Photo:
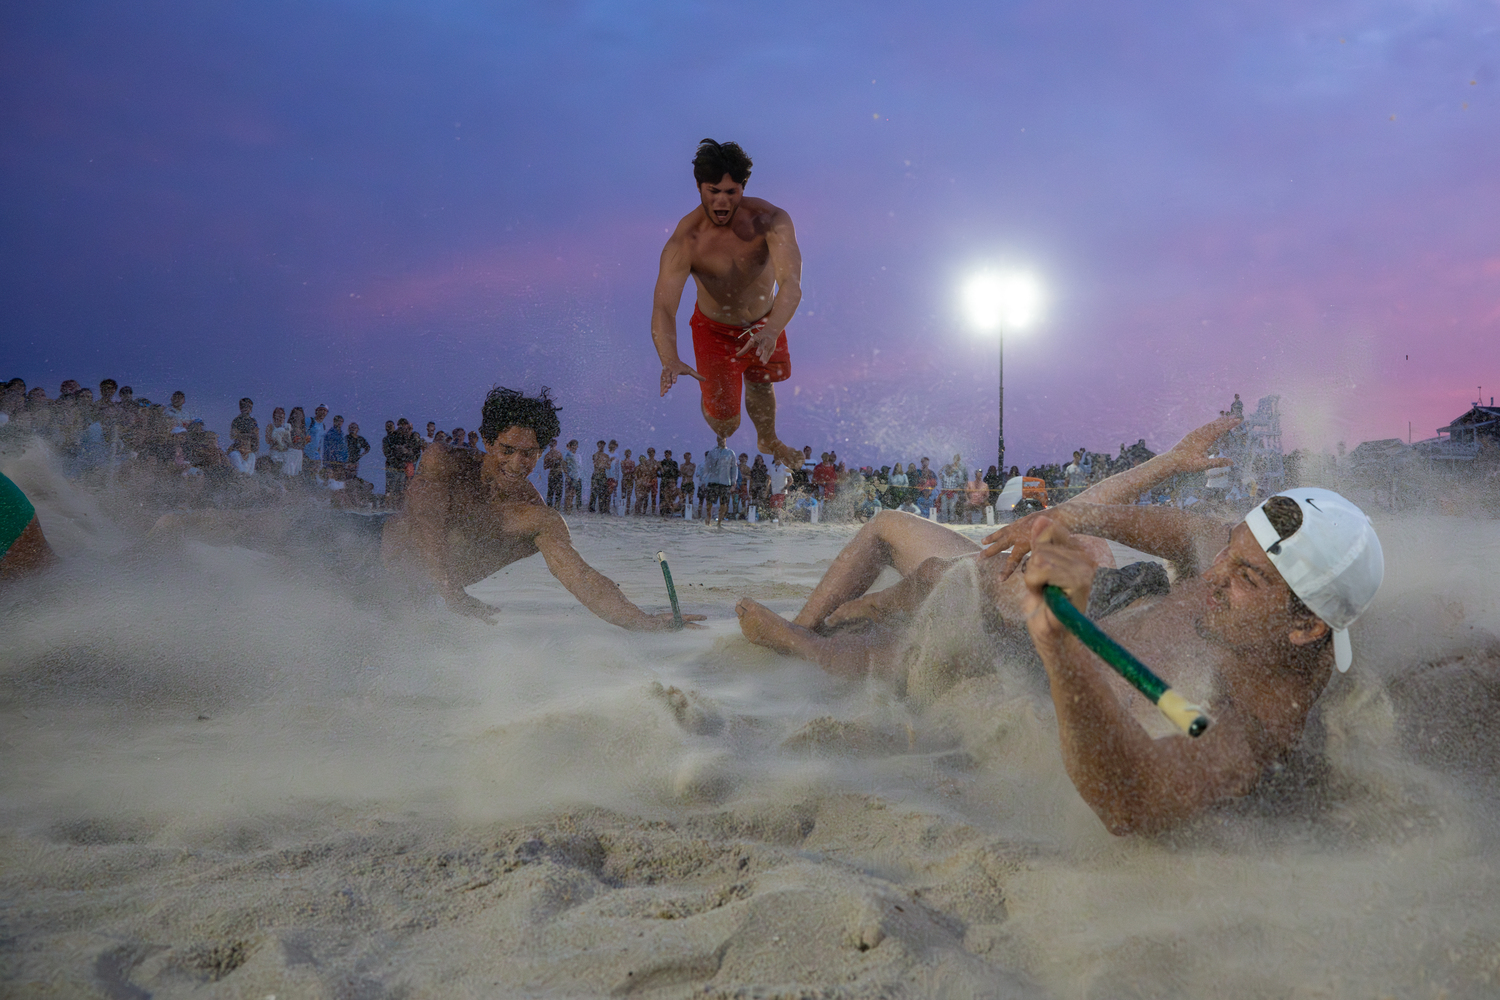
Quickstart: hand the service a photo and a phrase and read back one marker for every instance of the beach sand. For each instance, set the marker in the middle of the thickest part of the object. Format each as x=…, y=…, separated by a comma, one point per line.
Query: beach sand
x=233, y=773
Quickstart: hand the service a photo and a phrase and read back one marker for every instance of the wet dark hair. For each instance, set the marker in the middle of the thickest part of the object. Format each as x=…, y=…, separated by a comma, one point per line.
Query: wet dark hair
x=714, y=160
x=1285, y=516
x=507, y=408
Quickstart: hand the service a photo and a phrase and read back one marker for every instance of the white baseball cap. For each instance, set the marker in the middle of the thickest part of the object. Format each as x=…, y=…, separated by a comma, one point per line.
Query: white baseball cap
x=1332, y=562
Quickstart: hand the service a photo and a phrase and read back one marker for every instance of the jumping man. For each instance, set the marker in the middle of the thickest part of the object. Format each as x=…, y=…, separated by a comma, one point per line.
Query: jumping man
x=742, y=252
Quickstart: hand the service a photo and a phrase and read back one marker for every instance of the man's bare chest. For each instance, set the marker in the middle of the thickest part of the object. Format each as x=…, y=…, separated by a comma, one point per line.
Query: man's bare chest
x=729, y=256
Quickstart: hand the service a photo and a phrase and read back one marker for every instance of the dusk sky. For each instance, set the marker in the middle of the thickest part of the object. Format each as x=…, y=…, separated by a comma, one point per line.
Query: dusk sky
x=390, y=207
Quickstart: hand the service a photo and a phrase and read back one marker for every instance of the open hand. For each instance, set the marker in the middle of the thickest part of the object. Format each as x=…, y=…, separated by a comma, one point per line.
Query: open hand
x=664, y=622
x=1191, y=453
x=670, y=372
x=759, y=338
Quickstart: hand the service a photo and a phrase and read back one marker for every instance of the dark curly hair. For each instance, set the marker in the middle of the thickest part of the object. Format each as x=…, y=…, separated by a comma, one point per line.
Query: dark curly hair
x=714, y=160
x=506, y=408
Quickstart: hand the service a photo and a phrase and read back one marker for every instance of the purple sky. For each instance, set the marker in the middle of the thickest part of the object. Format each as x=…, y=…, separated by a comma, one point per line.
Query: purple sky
x=391, y=207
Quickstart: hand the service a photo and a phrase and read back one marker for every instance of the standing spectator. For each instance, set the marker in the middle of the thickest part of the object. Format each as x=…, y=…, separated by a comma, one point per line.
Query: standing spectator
x=245, y=426
x=552, y=464
x=760, y=478
x=278, y=438
x=995, y=482
x=358, y=449
x=1237, y=408
x=689, y=478
x=627, y=481
x=802, y=475
x=978, y=495
x=667, y=474
x=926, y=485
x=458, y=439
x=599, y=482
x=719, y=475
x=395, y=475
x=951, y=482
x=611, y=478
x=474, y=443
x=645, y=482
x=898, y=491
x=742, y=486
x=776, y=482
x=291, y=465
x=432, y=432
x=313, y=451
x=825, y=478
x=1073, y=475
x=335, y=450
x=573, y=473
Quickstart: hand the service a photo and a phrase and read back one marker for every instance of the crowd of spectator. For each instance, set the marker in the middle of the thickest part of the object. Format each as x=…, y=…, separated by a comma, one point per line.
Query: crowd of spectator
x=115, y=432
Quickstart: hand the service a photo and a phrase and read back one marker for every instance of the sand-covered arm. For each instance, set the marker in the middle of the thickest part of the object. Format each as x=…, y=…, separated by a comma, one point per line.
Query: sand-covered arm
x=1186, y=456
x=786, y=263
x=1134, y=783
x=676, y=267
x=594, y=590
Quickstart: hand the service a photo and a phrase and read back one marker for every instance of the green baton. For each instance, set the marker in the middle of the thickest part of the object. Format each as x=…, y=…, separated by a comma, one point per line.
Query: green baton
x=666, y=574
x=1186, y=716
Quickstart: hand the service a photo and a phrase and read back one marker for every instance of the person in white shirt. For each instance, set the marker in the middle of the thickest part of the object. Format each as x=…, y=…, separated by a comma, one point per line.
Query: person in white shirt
x=612, y=478
x=178, y=412
x=720, y=474
x=780, y=475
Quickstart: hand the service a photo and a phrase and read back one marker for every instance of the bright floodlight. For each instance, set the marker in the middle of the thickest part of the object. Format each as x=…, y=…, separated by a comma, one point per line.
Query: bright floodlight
x=994, y=300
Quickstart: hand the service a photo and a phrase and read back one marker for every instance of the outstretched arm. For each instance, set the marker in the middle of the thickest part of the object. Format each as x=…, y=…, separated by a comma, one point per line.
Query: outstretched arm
x=1188, y=455
x=676, y=268
x=786, y=261
x=594, y=590
x=1134, y=783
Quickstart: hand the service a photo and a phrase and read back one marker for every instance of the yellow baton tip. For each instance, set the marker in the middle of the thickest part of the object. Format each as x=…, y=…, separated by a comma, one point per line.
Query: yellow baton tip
x=1183, y=714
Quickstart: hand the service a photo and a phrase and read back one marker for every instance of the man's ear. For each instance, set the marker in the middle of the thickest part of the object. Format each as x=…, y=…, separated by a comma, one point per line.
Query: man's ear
x=1310, y=631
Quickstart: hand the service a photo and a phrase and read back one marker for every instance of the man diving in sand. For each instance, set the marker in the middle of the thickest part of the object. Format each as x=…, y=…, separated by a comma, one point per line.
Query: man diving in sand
x=742, y=253
x=1257, y=618
x=470, y=514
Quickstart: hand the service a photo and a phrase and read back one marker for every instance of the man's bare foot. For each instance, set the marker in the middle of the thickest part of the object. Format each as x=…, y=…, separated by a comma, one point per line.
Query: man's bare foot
x=765, y=627
x=789, y=456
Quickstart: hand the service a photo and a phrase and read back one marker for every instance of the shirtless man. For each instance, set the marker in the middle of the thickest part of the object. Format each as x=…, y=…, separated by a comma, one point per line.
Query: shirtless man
x=1258, y=618
x=742, y=253
x=468, y=515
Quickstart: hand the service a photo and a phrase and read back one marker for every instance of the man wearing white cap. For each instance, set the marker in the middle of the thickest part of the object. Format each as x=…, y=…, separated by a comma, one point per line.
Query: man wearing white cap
x=1257, y=629
x=1251, y=627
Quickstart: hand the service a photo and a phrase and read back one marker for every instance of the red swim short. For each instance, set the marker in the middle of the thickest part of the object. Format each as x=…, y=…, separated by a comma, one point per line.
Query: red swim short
x=724, y=375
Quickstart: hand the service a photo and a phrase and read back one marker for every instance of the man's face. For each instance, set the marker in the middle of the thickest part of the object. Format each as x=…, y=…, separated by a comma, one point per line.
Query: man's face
x=338, y=422
x=321, y=413
x=513, y=454
x=1247, y=598
x=178, y=399
x=720, y=199
x=431, y=427
x=404, y=426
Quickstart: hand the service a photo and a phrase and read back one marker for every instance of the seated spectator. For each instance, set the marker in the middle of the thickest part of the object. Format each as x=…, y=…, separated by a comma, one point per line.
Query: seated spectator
x=245, y=427
x=241, y=458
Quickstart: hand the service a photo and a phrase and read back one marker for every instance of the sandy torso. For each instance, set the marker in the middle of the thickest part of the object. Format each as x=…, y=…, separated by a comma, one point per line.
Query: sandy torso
x=731, y=263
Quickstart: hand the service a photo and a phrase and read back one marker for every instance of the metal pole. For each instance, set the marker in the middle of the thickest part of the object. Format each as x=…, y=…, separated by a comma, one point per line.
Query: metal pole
x=1001, y=467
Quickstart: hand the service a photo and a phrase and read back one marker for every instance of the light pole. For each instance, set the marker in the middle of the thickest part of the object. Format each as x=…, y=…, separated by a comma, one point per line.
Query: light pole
x=996, y=301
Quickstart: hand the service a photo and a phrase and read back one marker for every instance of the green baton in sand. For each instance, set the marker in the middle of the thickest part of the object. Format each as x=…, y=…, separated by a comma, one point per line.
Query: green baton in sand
x=666, y=574
x=1184, y=715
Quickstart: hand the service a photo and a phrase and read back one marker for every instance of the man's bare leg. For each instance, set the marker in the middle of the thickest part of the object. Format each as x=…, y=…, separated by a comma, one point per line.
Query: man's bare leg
x=760, y=403
x=890, y=538
x=840, y=655
x=723, y=428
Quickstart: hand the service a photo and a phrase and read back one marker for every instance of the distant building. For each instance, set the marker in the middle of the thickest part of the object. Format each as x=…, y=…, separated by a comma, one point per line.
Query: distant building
x=1462, y=439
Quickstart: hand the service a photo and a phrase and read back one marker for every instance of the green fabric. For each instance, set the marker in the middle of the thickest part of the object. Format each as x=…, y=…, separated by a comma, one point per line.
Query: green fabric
x=16, y=513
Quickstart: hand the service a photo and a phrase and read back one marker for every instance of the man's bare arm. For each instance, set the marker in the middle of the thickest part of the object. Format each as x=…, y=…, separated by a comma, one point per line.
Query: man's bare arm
x=1188, y=541
x=786, y=262
x=1188, y=455
x=672, y=276
x=594, y=590
x=1134, y=783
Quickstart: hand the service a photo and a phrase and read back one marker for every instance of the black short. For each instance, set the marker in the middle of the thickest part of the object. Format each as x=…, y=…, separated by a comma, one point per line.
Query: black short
x=713, y=492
